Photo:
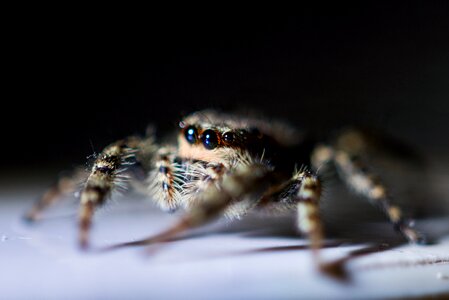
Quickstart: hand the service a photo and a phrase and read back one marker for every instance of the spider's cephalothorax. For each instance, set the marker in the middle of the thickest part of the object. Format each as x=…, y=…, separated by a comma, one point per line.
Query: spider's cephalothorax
x=226, y=165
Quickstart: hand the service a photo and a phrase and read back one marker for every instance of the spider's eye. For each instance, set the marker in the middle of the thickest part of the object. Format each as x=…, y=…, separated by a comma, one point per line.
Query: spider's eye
x=255, y=132
x=228, y=137
x=210, y=139
x=191, y=134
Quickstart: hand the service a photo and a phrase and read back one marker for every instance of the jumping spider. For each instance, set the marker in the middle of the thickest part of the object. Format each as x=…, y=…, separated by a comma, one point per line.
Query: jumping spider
x=226, y=165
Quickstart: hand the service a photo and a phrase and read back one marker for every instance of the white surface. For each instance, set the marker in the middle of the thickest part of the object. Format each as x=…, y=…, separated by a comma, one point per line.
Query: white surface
x=241, y=260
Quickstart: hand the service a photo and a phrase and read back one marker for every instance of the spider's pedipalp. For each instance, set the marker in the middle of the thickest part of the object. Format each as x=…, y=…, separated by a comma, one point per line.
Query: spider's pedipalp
x=200, y=176
x=165, y=179
x=245, y=181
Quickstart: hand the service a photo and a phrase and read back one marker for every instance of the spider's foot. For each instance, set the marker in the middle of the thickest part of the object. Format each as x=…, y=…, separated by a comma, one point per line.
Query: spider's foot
x=83, y=241
x=83, y=246
x=30, y=218
x=413, y=236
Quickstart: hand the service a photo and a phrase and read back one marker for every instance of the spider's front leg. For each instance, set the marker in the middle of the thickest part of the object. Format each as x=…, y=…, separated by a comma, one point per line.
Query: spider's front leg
x=105, y=175
x=307, y=197
x=301, y=192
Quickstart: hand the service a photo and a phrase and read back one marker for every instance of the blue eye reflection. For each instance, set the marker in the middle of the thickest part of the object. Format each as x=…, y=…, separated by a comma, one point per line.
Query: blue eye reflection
x=191, y=134
x=210, y=139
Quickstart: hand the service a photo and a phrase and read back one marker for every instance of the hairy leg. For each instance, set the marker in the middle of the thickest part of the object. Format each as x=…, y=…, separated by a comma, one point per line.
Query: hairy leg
x=105, y=175
x=347, y=153
x=99, y=185
x=301, y=192
x=65, y=185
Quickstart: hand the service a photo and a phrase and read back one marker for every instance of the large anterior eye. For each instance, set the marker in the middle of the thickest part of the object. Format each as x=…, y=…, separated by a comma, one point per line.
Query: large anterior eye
x=191, y=134
x=210, y=139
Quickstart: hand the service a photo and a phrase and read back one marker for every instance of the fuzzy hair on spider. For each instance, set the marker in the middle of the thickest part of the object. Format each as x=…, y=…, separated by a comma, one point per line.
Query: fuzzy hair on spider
x=225, y=165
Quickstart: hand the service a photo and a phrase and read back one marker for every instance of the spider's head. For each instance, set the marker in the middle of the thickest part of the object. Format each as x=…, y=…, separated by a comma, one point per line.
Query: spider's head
x=208, y=142
x=213, y=137
x=217, y=137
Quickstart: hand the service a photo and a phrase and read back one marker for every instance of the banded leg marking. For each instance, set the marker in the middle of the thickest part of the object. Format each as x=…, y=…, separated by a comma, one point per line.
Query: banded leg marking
x=64, y=186
x=301, y=192
x=103, y=178
x=307, y=197
x=164, y=183
x=353, y=171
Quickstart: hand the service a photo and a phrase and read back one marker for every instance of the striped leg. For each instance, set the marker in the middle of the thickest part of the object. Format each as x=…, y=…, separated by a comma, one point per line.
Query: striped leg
x=172, y=181
x=346, y=155
x=356, y=175
x=302, y=192
x=64, y=186
x=307, y=197
x=165, y=179
x=103, y=178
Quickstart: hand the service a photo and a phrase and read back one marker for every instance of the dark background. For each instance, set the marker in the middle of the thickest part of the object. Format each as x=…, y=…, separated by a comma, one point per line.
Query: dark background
x=77, y=82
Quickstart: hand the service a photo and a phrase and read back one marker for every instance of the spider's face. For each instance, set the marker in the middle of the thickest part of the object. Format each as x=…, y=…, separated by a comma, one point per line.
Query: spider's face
x=209, y=138
x=221, y=138
x=211, y=142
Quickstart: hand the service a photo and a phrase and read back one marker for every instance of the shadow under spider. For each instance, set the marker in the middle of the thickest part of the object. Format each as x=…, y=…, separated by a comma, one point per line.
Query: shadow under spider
x=335, y=269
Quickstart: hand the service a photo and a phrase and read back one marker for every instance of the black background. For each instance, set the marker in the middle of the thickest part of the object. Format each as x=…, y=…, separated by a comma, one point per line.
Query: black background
x=76, y=82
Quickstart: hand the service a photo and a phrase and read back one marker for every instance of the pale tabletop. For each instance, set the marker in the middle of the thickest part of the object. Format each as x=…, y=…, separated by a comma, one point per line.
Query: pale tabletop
x=255, y=258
